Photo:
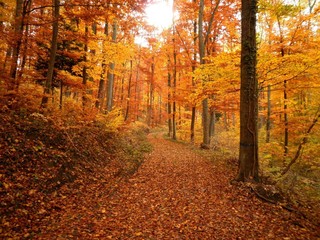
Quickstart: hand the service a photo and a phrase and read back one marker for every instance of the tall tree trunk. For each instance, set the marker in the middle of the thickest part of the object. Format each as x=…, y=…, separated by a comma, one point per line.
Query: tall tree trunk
x=53, y=51
x=205, y=106
x=193, y=111
x=61, y=95
x=111, y=72
x=84, y=69
x=151, y=95
x=169, y=103
x=248, y=155
x=101, y=90
x=18, y=32
x=160, y=109
x=268, y=125
x=174, y=104
x=174, y=77
x=286, y=121
x=285, y=98
x=26, y=8
x=137, y=89
x=225, y=120
x=212, y=129
x=129, y=92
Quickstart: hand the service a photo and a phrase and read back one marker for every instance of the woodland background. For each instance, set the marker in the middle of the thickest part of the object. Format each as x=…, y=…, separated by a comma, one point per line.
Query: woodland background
x=78, y=66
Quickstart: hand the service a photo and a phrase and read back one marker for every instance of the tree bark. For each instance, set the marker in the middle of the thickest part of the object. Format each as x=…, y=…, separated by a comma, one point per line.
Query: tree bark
x=151, y=95
x=169, y=105
x=101, y=90
x=212, y=129
x=193, y=111
x=205, y=107
x=268, y=125
x=84, y=69
x=53, y=51
x=17, y=41
x=110, y=72
x=248, y=154
x=174, y=107
x=129, y=92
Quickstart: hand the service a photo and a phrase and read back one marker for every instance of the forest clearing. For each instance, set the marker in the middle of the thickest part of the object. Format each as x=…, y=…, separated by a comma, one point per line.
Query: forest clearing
x=159, y=119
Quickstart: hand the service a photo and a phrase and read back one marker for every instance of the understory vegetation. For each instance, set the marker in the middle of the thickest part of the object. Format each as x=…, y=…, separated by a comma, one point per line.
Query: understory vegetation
x=46, y=158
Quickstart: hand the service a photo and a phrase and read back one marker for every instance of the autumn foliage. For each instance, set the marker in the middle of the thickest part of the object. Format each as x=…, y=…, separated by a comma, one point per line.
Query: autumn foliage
x=77, y=76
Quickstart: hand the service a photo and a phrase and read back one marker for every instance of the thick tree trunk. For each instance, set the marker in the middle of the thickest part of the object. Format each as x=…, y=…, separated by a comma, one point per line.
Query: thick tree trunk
x=53, y=51
x=248, y=155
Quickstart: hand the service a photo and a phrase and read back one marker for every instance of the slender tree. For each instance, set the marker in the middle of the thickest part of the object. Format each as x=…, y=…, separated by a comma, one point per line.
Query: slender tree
x=111, y=73
x=205, y=105
x=194, y=58
x=53, y=52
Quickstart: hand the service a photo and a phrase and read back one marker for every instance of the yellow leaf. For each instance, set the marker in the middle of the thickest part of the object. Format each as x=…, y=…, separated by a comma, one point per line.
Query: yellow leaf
x=32, y=191
x=6, y=185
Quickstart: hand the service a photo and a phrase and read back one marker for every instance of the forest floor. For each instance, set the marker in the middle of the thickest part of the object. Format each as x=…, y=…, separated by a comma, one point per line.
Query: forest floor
x=175, y=194
x=82, y=183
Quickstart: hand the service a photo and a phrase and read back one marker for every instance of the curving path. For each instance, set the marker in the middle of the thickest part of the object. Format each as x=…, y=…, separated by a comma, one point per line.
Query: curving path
x=176, y=194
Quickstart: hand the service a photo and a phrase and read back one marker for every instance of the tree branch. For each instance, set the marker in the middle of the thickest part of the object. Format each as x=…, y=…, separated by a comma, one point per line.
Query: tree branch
x=302, y=143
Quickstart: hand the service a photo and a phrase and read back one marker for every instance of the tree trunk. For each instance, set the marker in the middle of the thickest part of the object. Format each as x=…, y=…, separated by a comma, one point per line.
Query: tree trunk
x=61, y=95
x=268, y=125
x=84, y=69
x=169, y=104
x=110, y=72
x=212, y=129
x=137, y=89
x=53, y=51
x=248, y=155
x=193, y=111
x=101, y=90
x=18, y=32
x=26, y=8
x=286, y=121
x=205, y=106
x=129, y=92
x=151, y=95
x=174, y=107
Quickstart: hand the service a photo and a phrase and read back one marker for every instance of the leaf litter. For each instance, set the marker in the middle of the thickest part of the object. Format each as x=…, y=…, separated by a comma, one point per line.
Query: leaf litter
x=175, y=194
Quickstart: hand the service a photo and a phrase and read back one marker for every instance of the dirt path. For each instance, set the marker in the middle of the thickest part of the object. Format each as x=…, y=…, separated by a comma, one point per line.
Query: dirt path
x=177, y=194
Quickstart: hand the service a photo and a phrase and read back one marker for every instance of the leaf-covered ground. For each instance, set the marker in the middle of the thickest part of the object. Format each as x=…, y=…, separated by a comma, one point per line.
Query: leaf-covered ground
x=176, y=194
x=57, y=192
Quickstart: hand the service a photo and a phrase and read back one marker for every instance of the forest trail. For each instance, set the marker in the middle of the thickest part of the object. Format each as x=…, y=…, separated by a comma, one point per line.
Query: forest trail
x=178, y=194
